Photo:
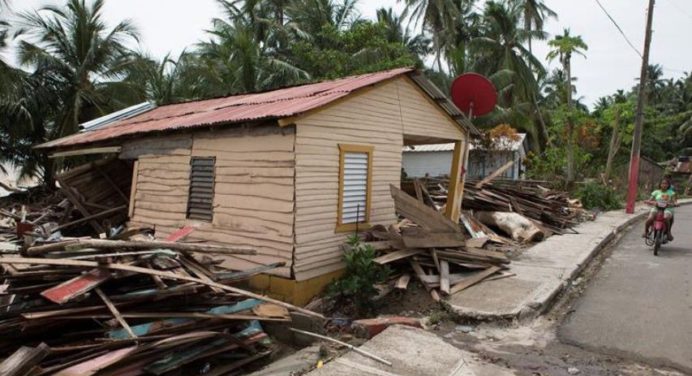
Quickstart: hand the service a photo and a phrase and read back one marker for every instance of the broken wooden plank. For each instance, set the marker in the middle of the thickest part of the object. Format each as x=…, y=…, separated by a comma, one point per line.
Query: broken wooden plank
x=77, y=286
x=424, y=239
x=397, y=255
x=351, y=347
x=115, y=312
x=142, y=245
x=402, y=282
x=470, y=281
x=444, y=276
x=381, y=245
x=476, y=242
x=495, y=174
x=165, y=274
x=421, y=214
x=179, y=234
x=23, y=360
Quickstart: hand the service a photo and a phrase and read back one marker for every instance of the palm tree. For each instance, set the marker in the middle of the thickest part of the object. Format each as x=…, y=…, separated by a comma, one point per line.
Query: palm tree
x=83, y=56
x=468, y=25
x=534, y=14
x=236, y=62
x=501, y=48
x=438, y=17
x=169, y=80
x=8, y=75
x=397, y=32
x=311, y=16
x=563, y=47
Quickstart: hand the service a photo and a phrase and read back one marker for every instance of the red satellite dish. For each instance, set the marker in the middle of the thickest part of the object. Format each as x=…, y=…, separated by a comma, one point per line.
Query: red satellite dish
x=474, y=94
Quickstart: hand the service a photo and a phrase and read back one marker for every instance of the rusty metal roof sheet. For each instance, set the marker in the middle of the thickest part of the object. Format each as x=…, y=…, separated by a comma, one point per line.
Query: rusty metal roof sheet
x=274, y=104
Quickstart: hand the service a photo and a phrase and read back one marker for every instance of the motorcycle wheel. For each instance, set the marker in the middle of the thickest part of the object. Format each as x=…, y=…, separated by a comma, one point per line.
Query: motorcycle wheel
x=657, y=242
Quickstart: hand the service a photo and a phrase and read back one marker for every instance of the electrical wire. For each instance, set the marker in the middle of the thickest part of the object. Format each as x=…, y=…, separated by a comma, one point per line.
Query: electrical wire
x=681, y=9
x=619, y=29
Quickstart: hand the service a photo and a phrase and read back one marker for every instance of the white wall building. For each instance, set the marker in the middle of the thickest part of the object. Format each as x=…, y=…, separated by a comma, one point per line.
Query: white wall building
x=436, y=160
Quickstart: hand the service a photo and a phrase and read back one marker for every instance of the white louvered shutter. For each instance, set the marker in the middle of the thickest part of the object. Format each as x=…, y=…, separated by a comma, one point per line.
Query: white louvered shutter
x=355, y=197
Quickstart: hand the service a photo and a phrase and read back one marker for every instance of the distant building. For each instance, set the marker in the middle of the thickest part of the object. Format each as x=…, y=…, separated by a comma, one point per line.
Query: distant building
x=436, y=160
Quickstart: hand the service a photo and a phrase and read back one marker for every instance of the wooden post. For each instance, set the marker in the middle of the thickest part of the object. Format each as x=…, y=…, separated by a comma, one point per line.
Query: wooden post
x=456, y=183
x=633, y=184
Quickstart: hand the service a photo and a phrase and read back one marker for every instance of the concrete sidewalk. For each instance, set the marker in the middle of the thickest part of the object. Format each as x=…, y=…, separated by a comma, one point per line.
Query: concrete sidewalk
x=413, y=352
x=542, y=271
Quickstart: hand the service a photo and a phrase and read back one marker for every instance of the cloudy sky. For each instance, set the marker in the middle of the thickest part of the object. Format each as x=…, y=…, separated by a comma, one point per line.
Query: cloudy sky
x=172, y=25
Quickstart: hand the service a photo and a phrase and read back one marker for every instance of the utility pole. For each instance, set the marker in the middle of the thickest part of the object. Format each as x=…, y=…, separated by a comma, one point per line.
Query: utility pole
x=639, y=119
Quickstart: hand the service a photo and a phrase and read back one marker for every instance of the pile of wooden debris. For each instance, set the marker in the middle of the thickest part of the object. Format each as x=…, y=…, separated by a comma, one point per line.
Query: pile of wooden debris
x=428, y=246
x=448, y=257
x=130, y=306
x=92, y=199
x=522, y=210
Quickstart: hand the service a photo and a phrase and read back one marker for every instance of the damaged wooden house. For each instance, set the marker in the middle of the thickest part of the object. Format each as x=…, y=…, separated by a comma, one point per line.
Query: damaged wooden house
x=290, y=172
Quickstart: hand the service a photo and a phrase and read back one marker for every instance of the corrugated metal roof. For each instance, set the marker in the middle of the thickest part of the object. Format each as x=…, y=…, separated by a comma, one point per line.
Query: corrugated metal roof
x=502, y=144
x=276, y=104
x=123, y=114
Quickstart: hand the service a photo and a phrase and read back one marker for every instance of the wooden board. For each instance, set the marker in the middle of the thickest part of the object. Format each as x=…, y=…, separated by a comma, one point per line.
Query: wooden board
x=397, y=255
x=444, y=276
x=434, y=240
x=23, y=360
x=470, y=281
x=77, y=286
x=402, y=282
x=420, y=214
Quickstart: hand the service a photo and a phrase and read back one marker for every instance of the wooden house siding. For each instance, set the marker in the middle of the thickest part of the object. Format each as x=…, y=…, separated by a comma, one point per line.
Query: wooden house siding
x=421, y=116
x=377, y=117
x=253, y=193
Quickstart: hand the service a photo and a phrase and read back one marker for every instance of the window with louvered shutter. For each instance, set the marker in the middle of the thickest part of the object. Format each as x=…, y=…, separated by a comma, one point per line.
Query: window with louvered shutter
x=201, y=199
x=355, y=176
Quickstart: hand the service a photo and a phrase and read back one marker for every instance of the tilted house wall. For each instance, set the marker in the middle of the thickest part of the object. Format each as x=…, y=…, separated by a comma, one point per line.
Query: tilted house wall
x=270, y=173
x=253, y=192
x=379, y=117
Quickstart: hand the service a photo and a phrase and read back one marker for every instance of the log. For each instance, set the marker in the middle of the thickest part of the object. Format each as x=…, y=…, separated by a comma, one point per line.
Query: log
x=514, y=224
x=130, y=244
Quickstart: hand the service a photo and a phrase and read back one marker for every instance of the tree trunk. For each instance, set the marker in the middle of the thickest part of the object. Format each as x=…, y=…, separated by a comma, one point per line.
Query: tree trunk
x=513, y=224
x=48, y=165
x=614, y=146
x=570, y=125
x=542, y=127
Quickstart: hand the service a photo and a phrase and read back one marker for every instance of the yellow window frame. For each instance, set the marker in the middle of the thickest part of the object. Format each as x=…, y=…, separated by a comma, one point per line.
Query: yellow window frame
x=348, y=227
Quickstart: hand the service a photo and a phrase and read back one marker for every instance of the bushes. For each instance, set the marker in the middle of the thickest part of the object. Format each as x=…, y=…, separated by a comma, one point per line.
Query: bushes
x=595, y=195
x=357, y=287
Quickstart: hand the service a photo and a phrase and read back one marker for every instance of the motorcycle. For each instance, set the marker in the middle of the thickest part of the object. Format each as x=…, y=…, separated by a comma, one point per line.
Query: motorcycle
x=658, y=234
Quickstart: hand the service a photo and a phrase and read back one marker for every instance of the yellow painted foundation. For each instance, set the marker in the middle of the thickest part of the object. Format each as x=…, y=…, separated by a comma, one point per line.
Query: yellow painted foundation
x=295, y=292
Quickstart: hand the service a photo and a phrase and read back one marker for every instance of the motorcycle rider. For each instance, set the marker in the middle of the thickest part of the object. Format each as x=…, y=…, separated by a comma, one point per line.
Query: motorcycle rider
x=664, y=193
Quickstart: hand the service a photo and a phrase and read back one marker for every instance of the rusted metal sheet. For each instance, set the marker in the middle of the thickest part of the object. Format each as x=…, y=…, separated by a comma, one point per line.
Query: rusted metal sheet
x=274, y=104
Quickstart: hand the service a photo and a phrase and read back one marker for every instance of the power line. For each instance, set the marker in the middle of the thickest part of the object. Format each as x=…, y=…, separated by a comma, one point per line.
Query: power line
x=619, y=29
x=681, y=9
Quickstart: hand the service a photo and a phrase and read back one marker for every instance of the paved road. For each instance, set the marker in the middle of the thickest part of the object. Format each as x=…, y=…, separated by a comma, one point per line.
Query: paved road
x=640, y=305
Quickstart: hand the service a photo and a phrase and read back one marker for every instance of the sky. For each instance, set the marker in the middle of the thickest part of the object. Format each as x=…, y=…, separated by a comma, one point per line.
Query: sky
x=611, y=64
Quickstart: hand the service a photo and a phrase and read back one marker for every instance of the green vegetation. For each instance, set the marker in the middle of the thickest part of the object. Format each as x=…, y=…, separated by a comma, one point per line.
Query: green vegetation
x=597, y=196
x=74, y=68
x=357, y=286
